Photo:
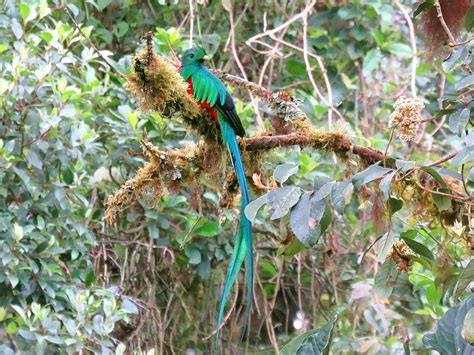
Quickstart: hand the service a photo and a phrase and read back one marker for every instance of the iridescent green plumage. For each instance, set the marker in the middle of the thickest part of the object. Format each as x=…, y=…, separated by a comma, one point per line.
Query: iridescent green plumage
x=210, y=92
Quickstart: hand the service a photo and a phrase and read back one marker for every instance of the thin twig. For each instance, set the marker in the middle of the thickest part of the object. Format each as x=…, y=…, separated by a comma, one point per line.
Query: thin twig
x=413, y=45
x=277, y=29
x=443, y=22
x=94, y=48
x=235, y=54
x=463, y=178
x=456, y=44
x=388, y=145
x=309, y=70
x=443, y=159
x=224, y=321
x=326, y=79
x=191, y=22
x=462, y=198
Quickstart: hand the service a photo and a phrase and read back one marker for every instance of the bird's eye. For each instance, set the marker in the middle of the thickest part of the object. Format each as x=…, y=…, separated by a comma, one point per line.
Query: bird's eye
x=191, y=55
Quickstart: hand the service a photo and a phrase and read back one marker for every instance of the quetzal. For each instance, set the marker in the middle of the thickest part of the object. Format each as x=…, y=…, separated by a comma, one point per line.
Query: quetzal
x=209, y=92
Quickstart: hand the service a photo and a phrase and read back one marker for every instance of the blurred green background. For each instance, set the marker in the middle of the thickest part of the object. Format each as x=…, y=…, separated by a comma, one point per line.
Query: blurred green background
x=70, y=136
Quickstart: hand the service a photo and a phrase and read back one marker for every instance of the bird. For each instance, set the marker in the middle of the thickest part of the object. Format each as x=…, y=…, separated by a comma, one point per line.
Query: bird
x=210, y=93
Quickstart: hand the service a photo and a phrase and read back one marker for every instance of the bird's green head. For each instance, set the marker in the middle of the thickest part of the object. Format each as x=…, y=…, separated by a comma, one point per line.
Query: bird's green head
x=193, y=55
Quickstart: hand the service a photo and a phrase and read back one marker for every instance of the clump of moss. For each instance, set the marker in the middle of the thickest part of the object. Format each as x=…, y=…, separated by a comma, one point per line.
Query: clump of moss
x=157, y=84
x=166, y=171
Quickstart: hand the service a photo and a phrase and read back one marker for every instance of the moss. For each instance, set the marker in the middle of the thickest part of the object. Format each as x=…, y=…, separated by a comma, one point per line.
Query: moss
x=158, y=86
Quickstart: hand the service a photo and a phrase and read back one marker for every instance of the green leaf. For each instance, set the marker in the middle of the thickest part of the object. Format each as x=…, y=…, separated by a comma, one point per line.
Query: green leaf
x=209, y=229
x=309, y=219
x=419, y=248
x=372, y=173
x=3, y=314
x=424, y=6
x=341, y=192
x=121, y=29
x=378, y=36
x=433, y=295
x=204, y=268
x=458, y=121
x=315, y=342
x=371, y=60
x=284, y=171
x=469, y=19
x=132, y=118
x=227, y=5
x=396, y=204
x=106, y=35
x=102, y=4
x=20, y=311
x=385, y=278
x=41, y=247
x=464, y=82
x=68, y=176
x=465, y=278
x=252, y=208
x=442, y=202
x=437, y=176
x=446, y=337
x=268, y=266
x=129, y=306
x=404, y=165
x=464, y=156
x=281, y=200
x=11, y=328
x=324, y=191
x=193, y=254
x=3, y=85
x=467, y=332
x=14, y=280
x=292, y=248
x=386, y=184
x=46, y=36
x=456, y=58
x=34, y=159
x=325, y=219
x=18, y=232
x=399, y=49
x=90, y=278
x=24, y=11
x=384, y=245
x=300, y=219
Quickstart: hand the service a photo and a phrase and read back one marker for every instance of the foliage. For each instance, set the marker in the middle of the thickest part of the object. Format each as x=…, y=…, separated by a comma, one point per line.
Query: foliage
x=447, y=337
x=384, y=244
x=313, y=342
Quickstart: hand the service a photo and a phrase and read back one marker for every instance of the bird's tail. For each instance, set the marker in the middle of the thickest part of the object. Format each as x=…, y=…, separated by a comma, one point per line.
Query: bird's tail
x=243, y=241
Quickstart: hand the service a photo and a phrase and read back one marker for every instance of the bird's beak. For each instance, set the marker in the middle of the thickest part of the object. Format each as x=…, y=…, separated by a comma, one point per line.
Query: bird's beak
x=205, y=57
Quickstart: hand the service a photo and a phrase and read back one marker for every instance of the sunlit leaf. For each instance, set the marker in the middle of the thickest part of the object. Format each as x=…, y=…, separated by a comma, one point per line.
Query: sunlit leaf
x=385, y=278
x=252, y=208
x=284, y=171
x=315, y=342
x=372, y=173
x=281, y=200
x=424, y=6
x=384, y=245
x=465, y=278
x=446, y=336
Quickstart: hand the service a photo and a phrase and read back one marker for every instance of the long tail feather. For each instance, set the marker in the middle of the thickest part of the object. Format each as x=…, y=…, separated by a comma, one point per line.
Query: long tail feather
x=243, y=242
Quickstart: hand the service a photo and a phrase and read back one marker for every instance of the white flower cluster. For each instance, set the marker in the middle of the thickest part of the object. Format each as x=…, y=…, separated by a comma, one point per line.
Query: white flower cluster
x=407, y=117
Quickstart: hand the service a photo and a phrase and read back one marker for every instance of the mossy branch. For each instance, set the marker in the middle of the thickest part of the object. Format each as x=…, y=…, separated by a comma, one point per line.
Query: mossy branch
x=156, y=82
